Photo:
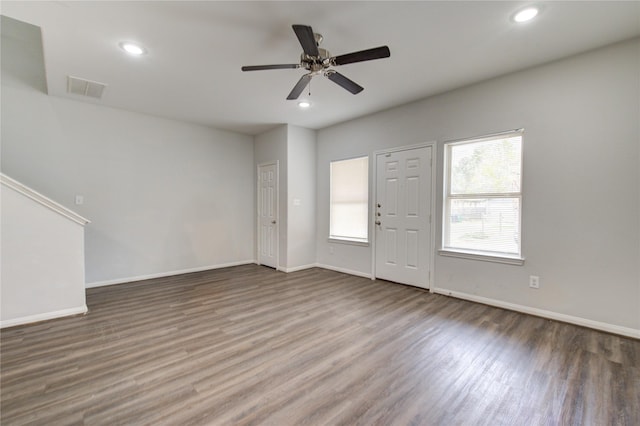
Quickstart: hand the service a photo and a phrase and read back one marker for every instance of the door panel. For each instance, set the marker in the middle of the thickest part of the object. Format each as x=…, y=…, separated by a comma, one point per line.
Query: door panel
x=392, y=196
x=392, y=246
x=413, y=197
x=412, y=248
x=403, y=209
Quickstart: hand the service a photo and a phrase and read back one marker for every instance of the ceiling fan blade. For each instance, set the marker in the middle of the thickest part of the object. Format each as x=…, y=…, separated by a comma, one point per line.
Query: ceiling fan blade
x=270, y=67
x=299, y=87
x=363, y=55
x=307, y=39
x=343, y=81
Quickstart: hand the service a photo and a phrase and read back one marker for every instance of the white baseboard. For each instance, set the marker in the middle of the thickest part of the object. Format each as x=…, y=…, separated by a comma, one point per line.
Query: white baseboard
x=43, y=317
x=344, y=270
x=597, y=325
x=298, y=268
x=167, y=274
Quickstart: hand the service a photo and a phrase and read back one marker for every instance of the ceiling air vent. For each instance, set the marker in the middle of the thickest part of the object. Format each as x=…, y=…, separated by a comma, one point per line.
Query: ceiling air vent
x=80, y=86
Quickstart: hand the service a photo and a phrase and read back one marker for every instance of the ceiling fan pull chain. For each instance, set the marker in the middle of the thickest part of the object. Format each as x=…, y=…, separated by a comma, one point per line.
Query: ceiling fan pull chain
x=309, y=87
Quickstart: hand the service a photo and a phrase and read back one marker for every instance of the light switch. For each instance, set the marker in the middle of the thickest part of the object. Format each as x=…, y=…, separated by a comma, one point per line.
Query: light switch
x=296, y=201
x=79, y=200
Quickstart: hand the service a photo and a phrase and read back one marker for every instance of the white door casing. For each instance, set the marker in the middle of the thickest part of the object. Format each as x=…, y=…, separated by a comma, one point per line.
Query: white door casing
x=268, y=215
x=402, y=215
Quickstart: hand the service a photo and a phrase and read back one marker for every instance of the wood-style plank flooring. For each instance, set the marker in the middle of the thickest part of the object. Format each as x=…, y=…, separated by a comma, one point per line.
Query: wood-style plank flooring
x=249, y=345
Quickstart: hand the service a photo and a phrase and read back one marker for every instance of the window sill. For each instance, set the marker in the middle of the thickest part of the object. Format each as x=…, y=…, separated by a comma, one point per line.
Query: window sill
x=348, y=241
x=509, y=260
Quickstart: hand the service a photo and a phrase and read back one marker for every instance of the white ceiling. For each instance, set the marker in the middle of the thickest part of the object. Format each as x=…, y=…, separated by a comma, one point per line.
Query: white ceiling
x=195, y=51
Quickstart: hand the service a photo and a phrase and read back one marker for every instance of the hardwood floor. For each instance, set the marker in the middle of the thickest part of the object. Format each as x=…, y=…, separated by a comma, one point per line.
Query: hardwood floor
x=249, y=345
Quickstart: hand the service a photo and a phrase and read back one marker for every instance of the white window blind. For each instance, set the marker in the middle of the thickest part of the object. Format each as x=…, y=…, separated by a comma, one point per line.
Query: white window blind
x=349, y=199
x=482, y=207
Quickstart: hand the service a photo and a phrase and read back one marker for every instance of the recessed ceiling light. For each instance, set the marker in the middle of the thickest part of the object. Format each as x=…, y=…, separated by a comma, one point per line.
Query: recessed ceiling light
x=526, y=14
x=132, y=48
x=304, y=104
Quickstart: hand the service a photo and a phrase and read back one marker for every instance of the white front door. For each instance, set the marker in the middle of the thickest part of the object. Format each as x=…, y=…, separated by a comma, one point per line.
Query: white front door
x=402, y=215
x=268, y=215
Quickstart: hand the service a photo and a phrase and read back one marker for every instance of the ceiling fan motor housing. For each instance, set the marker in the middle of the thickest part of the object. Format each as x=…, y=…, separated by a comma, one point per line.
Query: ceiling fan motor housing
x=315, y=64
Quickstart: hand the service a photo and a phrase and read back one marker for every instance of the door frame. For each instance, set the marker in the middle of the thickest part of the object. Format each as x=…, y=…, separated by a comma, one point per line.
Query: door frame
x=432, y=244
x=277, y=184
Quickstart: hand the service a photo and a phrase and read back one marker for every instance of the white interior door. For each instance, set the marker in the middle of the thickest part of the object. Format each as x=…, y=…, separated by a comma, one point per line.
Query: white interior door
x=268, y=215
x=402, y=215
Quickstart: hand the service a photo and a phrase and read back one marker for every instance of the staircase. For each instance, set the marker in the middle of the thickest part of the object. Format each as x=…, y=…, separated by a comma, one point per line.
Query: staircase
x=41, y=257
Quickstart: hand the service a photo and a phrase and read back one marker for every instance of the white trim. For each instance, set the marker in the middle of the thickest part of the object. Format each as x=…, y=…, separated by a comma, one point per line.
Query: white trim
x=41, y=199
x=597, y=325
x=347, y=241
x=483, y=137
x=518, y=261
x=434, y=201
x=344, y=270
x=298, y=268
x=44, y=317
x=434, y=175
x=168, y=273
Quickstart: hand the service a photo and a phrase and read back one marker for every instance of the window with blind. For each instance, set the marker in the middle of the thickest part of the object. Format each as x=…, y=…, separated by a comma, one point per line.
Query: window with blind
x=483, y=198
x=349, y=200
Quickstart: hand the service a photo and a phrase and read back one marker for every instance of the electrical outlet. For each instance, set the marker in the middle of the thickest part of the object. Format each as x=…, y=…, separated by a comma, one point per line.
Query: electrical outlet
x=330, y=250
x=534, y=281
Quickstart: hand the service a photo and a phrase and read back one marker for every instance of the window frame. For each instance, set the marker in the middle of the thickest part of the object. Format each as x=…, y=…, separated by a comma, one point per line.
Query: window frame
x=348, y=239
x=485, y=255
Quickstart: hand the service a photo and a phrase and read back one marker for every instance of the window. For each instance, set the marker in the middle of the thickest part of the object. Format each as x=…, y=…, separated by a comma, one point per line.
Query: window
x=349, y=200
x=482, y=201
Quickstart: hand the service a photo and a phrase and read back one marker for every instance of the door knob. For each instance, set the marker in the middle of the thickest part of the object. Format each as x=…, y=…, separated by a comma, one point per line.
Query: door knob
x=273, y=221
x=378, y=222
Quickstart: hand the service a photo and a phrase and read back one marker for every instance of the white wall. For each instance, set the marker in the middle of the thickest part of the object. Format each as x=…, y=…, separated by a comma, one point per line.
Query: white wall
x=301, y=195
x=163, y=196
x=294, y=148
x=581, y=193
x=42, y=262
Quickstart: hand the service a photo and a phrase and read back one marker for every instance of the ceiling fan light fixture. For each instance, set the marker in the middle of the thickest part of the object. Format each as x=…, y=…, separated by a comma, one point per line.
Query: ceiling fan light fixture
x=304, y=104
x=525, y=15
x=132, y=48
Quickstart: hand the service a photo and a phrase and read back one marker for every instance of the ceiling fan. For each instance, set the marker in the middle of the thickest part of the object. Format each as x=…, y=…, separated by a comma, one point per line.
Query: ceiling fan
x=318, y=61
